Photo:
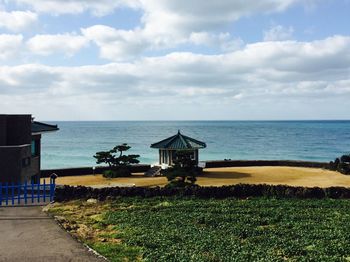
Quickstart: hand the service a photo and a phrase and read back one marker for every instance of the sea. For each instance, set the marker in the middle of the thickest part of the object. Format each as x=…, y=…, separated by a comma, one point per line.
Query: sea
x=76, y=142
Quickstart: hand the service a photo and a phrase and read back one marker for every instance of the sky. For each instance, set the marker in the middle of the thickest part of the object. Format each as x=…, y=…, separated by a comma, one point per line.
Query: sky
x=175, y=59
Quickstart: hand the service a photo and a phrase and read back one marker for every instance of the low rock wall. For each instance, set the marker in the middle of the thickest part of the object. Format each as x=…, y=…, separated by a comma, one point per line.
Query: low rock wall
x=245, y=163
x=66, y=193
x=81, y=171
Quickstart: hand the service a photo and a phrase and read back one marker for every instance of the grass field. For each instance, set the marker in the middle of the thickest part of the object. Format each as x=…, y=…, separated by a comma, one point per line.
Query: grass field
x=189, y=229
x=294, y=176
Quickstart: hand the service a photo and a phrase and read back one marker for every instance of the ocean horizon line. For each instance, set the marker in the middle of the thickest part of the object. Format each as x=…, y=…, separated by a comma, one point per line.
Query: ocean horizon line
x=208, y=120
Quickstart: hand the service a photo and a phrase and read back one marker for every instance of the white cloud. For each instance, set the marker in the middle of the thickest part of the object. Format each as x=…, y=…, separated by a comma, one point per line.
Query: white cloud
x=167, y=17
x=195, y=13
x=10, y=46
x=169, y=23
x=67, y=44
x=116, y=44
x=166, y=24
x=278, y=33
x=223, y=40
x=251, y=82
x=59, y=7
x=17, y=20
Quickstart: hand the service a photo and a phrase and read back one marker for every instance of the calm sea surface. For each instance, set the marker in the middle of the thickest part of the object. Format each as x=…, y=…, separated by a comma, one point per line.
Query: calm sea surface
x=76, y=142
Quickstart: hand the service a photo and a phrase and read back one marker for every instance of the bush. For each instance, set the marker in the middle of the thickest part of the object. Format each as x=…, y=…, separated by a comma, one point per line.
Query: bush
x=341, y=165
x=121, y=172
x=184, y=171
x=178, y=183
x=345, y=159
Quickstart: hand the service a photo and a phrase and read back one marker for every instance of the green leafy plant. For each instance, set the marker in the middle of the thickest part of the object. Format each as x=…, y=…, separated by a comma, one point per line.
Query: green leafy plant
x=183, y=172
x=117, y=161
x=211, y=230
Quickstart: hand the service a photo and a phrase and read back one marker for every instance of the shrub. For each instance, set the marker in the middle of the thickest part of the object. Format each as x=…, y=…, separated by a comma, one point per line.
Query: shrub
x=120, y=172
x=341, y=165
x=178, y=183
x=345, y=159
x=184, y=171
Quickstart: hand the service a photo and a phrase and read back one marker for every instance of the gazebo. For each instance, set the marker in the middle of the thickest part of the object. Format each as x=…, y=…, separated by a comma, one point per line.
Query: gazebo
x=179, y=142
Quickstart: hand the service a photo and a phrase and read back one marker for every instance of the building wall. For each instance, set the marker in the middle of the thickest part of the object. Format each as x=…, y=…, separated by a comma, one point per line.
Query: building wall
x=12, y=160
x=15, y=149
x=3, y=130
x=167, y=156
x=18, y=129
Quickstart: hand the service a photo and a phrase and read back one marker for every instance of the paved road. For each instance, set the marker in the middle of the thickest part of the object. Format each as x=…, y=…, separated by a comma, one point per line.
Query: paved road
x=28, y=234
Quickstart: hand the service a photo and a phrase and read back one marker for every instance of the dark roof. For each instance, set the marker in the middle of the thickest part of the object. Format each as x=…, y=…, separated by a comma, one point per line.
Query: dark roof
x=39, y=127
x=179, y=141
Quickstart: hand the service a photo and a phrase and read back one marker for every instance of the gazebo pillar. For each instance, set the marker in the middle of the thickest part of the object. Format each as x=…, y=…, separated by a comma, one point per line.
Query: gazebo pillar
x=196, y=156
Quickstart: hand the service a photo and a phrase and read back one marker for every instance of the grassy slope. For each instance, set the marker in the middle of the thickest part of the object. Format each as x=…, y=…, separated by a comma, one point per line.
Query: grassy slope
x=188, y=229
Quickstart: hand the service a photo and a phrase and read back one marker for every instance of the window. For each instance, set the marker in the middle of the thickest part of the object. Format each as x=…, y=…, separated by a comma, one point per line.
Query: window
x=34, y=148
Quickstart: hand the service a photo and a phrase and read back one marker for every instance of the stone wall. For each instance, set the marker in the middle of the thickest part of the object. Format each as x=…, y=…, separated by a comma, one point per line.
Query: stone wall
x=81, y=171
x=67, y=193
x=243, y=163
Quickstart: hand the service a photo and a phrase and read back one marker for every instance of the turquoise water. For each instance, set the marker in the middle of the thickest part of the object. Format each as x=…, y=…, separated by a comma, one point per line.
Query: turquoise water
x=76, y=142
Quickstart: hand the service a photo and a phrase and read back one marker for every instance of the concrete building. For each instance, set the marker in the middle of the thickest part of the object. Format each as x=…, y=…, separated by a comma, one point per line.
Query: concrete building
x=20, y=148
x=179, y=142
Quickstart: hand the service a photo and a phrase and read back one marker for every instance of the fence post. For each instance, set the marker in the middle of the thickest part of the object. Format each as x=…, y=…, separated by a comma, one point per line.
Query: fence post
x=38, y=192
x=51, y=184
x=0, y=194
x=7, y=193
x=13, y=193
x=32, y=191
x=44, y=191
x=25, y=192
x=19, y=192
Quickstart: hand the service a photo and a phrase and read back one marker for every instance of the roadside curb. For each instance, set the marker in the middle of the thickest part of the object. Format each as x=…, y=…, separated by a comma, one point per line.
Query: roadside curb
x=89, y=249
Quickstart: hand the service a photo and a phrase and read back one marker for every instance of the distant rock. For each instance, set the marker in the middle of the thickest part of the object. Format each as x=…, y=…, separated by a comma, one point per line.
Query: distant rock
x=92, y=201
x=60, y=219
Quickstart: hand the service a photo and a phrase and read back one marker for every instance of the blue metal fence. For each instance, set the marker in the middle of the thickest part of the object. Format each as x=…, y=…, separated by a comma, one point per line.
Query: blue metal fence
x=27, y=193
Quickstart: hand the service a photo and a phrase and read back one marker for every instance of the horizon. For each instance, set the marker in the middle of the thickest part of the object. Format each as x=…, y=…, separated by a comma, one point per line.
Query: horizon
x=206, y=120
x=139, y=60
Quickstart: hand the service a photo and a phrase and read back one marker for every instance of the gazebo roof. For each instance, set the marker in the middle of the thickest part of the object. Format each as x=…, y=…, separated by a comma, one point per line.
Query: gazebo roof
x=179, y=141
x=39, y=127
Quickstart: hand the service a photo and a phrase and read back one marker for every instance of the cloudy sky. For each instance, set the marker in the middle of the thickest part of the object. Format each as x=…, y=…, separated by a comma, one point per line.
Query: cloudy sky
x=175, y=59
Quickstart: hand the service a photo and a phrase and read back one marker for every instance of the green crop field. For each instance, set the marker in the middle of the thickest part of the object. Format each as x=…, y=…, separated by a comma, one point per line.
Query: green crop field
x=189, y=229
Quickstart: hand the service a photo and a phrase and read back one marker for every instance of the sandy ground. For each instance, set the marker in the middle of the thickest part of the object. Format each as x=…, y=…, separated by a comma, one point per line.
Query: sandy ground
x=293, y=176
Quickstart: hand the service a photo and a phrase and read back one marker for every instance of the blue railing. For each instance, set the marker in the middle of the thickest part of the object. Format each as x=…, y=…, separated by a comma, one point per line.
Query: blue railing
x=27, y=193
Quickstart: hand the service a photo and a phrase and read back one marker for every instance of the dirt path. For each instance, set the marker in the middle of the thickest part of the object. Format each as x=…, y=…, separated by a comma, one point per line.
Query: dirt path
x=28, y=234
x=293, y=176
